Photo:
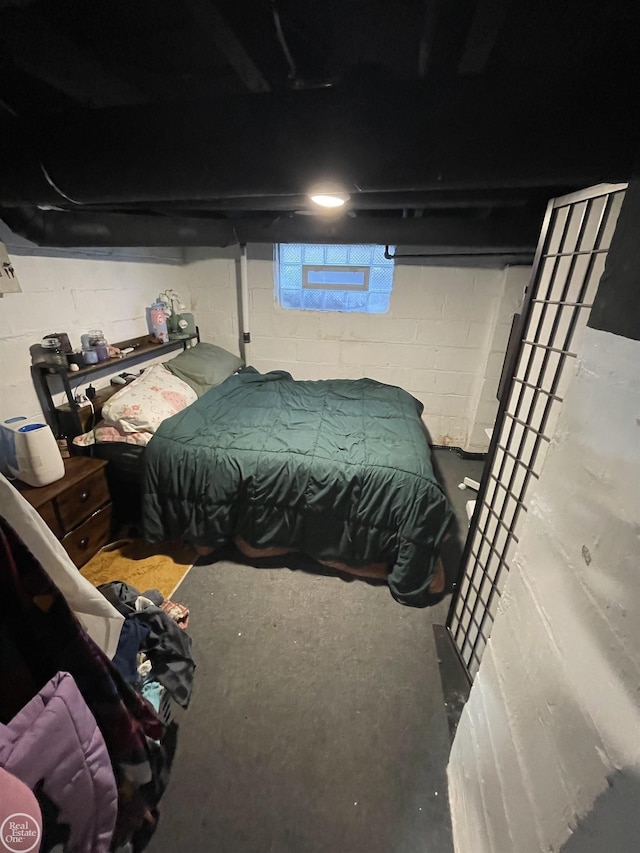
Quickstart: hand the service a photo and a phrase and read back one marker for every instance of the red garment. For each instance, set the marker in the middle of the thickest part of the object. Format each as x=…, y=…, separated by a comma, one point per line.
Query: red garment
x=178, y=612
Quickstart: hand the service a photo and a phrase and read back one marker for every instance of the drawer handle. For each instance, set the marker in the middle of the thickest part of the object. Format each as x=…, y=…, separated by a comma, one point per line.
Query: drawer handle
x=83, y=542
x=84, y=496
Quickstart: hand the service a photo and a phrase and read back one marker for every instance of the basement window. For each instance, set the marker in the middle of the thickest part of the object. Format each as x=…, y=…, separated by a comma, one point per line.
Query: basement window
x=314, y=277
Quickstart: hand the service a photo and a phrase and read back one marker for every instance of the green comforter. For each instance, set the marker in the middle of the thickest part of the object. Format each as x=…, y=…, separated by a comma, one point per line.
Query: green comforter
x=338, y=469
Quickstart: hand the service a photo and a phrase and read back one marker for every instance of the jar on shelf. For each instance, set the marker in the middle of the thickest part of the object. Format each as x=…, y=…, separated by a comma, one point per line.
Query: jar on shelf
x=38, y=355
x=98, y=344
x=52, y=352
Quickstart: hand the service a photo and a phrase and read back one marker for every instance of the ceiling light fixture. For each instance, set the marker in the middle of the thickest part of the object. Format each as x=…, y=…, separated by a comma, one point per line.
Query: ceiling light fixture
x=328, y=200
x=329, y=197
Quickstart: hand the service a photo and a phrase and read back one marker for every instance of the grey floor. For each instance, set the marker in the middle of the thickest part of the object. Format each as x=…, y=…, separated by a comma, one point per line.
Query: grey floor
x=317, y=721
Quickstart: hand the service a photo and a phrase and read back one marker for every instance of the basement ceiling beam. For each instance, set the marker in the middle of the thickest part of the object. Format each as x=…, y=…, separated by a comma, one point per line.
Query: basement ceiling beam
x=360, y=201
x=483, y=34
x=214, y=25
x=406, y=139
x=6, y=108
x=430, y=21
x=513, y=234
x=42, y=51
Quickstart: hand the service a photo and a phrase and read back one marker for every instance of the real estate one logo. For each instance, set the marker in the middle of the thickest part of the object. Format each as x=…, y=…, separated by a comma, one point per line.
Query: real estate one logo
x=20, y=832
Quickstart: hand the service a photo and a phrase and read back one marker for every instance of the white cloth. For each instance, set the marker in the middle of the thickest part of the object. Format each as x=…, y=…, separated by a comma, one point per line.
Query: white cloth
x=100, y=619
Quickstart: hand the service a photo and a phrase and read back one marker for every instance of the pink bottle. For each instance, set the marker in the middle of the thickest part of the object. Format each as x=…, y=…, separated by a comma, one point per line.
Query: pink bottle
x=157, y=322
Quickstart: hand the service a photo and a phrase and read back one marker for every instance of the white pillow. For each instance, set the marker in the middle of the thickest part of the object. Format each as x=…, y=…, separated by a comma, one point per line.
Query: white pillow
x=142, y=405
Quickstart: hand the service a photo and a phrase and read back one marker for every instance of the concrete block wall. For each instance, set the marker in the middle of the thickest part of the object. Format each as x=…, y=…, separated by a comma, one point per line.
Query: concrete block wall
x=483, y=405
x=438, y=341
x=548, y=745
x=213, y=288
x=74, y=294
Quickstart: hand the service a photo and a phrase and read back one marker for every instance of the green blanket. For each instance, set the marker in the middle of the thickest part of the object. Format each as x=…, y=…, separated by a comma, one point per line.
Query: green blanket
x=338, y=469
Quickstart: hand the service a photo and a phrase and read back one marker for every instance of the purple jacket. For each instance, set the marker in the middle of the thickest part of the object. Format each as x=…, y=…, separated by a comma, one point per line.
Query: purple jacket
x=55, y=738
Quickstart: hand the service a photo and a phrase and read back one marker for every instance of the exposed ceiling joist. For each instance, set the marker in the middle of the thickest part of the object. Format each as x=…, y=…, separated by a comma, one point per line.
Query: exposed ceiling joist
x=477, y=200
x=216, y=27
x=31, y=42
x=7, y=108
x=483, y=34
x=508, y=235
x=431, y=8
x=183, y=116
x=500, y=139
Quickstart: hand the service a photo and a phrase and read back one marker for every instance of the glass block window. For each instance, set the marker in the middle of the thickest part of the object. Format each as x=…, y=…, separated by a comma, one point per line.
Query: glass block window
x=316, y=277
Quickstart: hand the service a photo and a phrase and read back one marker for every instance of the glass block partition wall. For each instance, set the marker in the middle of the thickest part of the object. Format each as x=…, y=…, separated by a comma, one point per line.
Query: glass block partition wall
x=569, y=262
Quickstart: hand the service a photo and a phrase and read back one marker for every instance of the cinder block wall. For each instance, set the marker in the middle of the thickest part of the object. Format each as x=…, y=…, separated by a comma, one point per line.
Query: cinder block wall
x=214, y=292
x=547, y=752
x=442, y=340
x=483, y=405
x=548, y=744
x=74, y=294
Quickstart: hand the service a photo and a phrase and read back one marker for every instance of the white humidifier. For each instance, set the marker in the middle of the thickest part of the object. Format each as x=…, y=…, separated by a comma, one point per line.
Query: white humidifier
x=29, y=451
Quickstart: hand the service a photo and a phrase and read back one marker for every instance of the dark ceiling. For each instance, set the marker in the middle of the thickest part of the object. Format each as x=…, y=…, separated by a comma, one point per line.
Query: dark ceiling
x=204, y=122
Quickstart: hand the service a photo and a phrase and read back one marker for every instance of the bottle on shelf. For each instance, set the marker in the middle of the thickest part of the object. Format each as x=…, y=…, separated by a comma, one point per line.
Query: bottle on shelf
x=157, y=322
x=63, y=443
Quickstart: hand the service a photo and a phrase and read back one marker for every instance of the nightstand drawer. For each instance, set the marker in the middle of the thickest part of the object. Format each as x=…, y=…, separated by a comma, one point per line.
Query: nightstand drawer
x=48, y=513
x=82, y=499
x=87, y=539
x=77, y=508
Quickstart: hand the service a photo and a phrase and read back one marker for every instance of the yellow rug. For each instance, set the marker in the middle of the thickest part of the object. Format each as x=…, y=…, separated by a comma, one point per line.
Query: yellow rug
x=141, y=565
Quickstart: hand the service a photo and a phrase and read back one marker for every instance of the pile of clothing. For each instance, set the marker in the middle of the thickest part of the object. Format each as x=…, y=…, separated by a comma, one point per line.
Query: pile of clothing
x=74, y=730
x=154, y=651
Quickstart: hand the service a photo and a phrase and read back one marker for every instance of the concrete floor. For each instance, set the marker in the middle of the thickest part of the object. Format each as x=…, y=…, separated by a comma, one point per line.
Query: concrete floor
x=317, y=721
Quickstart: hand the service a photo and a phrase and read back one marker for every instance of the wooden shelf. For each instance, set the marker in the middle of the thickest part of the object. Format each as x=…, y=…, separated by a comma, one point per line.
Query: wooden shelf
x=41, y=373
x=144, y=349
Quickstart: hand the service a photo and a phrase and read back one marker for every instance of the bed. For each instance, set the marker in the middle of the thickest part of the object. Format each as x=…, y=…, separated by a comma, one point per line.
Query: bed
x=338, y=470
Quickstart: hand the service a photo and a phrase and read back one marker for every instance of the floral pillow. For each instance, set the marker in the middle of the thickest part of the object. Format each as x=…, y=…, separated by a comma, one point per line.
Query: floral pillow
x=104, y=433
x=141, y=406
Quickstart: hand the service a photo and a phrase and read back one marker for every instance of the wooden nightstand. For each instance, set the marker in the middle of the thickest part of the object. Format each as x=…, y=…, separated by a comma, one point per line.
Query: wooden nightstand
x=77, y=508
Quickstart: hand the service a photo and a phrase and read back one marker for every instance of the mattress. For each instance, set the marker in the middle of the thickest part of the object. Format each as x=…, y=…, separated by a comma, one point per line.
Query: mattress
x=339, y=470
